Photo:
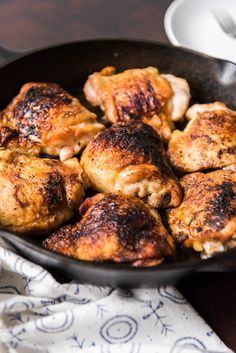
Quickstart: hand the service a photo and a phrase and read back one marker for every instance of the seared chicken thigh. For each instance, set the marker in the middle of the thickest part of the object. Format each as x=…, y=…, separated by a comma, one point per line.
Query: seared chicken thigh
x=130, y=159
x=43, y=118
x=38, y=194
x=206, y=219
x=139, y=93
x=117, y=228
x=208, y=141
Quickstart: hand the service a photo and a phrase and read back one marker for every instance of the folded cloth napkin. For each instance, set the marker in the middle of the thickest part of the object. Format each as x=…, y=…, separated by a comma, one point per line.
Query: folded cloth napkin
x=40, y=315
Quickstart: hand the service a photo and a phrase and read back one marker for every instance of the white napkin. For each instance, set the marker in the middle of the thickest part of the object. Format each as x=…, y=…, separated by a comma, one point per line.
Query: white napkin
x=38, y=314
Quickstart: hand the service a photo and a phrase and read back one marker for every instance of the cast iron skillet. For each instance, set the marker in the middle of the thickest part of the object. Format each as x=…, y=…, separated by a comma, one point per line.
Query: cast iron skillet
x=69, y=65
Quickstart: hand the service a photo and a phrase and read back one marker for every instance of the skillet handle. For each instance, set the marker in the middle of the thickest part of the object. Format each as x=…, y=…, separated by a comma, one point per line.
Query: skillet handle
x=7, y=54
x=224, y=263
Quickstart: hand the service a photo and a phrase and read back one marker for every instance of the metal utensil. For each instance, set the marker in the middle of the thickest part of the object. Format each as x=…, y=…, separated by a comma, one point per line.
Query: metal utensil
x=225, y=21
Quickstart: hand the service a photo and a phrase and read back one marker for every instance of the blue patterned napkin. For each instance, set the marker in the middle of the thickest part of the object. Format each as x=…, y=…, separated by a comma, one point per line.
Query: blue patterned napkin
x=40, y=315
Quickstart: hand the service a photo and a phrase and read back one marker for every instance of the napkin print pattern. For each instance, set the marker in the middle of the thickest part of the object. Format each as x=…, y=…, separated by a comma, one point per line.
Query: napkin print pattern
x=40, y=315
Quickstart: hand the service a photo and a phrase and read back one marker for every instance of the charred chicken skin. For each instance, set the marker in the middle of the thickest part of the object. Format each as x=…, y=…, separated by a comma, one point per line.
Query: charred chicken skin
x=38, y=194
x=206, y=219
x=45, y=119
x=130, y=159
x=208, y=141
x=139, y=94
x=117, y=228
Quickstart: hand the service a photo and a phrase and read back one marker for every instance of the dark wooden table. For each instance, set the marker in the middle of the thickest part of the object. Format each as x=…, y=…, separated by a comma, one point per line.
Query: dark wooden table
x=31, y=24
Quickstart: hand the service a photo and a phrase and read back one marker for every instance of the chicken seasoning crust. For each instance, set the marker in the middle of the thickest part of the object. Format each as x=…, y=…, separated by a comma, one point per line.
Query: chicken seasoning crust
x=139, y=94
x=139, y=142
x=129, y=163
x=127, y=95
x=38, y=194
x=117, y=228
x=206, y=219
x=208, y=141
x=45, y=119
x=30, y=113
x=131, y=159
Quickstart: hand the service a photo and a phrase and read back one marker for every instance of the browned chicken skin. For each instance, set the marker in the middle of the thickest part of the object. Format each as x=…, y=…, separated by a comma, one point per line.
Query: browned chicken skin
x=117, y=228
x=139, y=93
x=125, y=161
x=38, y=194
x=208, y=141
x=43, y=118
x=206, y=219
x=130, y=159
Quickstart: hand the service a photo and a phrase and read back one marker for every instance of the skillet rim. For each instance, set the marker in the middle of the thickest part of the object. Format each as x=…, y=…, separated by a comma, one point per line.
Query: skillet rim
x=113, y=266
x=21, y=54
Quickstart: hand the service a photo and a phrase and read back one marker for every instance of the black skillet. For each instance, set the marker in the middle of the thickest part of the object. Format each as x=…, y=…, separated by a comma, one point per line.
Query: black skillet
x=69, y=65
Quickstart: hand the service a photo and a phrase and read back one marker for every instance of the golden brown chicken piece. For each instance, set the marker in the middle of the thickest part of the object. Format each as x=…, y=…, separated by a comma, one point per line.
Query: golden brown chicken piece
x=38, y=194
x=130, y=159
x=208, y=141
x=206, y=219
x=117, y=228
x=43, y=118
x=139, y=93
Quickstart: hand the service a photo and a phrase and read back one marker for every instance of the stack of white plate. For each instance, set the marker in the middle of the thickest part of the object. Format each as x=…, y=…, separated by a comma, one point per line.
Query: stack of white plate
x=192, y=24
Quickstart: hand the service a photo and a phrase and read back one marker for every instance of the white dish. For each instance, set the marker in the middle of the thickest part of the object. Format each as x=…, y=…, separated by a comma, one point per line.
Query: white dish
x=191, y=24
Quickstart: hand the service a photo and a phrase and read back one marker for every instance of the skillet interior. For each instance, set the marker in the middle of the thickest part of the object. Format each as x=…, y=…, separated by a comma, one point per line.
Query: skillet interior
x=69, y=65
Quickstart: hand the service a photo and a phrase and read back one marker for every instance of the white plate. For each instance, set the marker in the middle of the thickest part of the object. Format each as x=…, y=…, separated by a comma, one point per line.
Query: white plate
x=191, y=24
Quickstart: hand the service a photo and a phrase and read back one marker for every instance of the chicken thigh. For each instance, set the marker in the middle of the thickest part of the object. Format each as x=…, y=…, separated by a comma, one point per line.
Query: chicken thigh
x=43, y=118
x=117, y=228
x=139, y=94
x=38, y=194
x=206, y=219
x=208, y=141
x=131, y=159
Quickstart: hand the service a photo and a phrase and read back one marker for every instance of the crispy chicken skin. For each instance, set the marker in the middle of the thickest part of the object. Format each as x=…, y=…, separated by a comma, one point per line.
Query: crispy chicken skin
x=38, y=194
x=117, y=228
x=139, y=93
x=206, y=219
x=130, y=159
x=43, y=118
x=208, y=141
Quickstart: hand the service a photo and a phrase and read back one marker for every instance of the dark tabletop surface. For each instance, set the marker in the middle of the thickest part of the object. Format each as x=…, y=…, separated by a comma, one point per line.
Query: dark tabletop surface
x=31, y=24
